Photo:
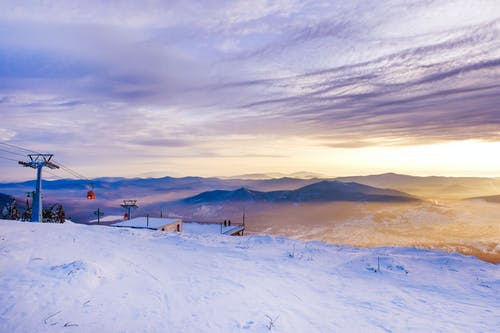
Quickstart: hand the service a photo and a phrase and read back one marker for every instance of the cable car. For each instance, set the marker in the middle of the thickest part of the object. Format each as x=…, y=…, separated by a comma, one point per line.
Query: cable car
x=90, y=195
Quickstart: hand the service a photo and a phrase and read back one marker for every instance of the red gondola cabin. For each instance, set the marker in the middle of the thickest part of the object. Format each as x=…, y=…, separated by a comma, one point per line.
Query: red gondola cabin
x=90, y=195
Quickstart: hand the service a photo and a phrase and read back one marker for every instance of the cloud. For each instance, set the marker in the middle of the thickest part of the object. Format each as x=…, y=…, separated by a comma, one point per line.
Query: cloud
x=185, y=74
x=410, y=94
x=154, y=142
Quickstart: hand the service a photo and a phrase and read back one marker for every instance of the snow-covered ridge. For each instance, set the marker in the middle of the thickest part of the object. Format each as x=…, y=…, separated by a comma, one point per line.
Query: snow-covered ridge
x=70, y=277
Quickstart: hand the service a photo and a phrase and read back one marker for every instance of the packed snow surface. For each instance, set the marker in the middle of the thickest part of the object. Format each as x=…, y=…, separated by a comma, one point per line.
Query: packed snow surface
x=109, y=218
x=208, y=228
x=202, y=228
x=79, y=278
x=144, y=222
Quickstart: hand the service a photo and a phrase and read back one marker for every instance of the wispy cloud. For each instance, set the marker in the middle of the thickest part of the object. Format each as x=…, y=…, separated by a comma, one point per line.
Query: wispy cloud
x=185, y=74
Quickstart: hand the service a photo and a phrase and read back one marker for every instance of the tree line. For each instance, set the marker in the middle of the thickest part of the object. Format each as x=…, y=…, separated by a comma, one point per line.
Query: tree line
x=53, y=213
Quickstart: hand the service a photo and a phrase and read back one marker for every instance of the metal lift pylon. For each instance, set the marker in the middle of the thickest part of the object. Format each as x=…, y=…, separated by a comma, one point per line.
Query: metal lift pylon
x=127, y=204
x=38, y=161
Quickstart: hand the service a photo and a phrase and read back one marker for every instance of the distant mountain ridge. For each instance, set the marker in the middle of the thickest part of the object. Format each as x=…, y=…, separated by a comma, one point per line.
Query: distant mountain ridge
x=154, y=193
x=323, y=191
x=489, y=198
x=277, y=175
x=432, y=186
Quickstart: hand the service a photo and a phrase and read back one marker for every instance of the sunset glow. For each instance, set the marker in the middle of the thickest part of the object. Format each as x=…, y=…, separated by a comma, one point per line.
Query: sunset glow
x=227, y=88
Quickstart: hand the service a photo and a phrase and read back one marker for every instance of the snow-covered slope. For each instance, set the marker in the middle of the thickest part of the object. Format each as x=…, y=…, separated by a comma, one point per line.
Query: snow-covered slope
x=143, y=222
x=77, y=278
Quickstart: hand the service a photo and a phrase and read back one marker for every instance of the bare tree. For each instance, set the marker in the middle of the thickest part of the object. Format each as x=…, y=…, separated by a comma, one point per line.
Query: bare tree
x=10, y=211
x=61, y=216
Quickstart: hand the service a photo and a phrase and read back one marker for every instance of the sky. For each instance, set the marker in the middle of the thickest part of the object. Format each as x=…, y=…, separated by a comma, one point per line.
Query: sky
x=220, y=88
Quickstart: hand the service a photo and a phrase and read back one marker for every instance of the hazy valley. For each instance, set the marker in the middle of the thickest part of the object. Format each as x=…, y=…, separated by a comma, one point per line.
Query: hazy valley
x=378, y=210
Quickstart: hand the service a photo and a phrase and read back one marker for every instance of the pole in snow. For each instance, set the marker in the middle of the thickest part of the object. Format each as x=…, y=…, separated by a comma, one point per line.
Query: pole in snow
x=38, y=161
x=99, y=214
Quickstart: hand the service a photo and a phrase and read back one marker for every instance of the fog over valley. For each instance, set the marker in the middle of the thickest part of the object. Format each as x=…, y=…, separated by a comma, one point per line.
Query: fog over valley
x=456, y=214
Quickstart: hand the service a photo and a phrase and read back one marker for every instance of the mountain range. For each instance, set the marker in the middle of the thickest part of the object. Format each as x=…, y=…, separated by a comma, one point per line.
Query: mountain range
x=156, y=194
x=275, y=175
x=489, y=198
x=436, y=187
x=323, y=191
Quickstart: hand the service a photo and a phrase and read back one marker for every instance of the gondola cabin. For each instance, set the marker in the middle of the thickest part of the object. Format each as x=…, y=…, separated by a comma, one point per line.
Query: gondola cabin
x=90, y=195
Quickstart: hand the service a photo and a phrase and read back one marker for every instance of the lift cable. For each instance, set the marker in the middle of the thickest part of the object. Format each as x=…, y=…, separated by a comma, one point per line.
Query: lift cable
x=53, y=174
x=63, y=167
x=12, y=152
x=72, y=172
x=18, y=147
x=6, y=158
x=39, y=160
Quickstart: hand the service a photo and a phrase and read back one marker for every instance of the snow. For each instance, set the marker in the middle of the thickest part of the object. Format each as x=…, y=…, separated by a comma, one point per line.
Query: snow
x=207, y=228
x=109, y=218
x=143, y=222
x=90, y=278
x=201, y=228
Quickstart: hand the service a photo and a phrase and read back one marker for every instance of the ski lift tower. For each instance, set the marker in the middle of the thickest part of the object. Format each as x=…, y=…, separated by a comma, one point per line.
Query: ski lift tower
x=127, y=204
x=38, y=161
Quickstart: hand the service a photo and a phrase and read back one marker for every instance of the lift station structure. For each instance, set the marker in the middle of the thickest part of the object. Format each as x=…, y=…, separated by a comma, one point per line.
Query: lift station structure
x=127, y=204
x=38, y=161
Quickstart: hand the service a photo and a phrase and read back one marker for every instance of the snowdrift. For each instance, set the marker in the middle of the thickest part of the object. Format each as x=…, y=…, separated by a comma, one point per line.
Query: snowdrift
x=78, y=278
